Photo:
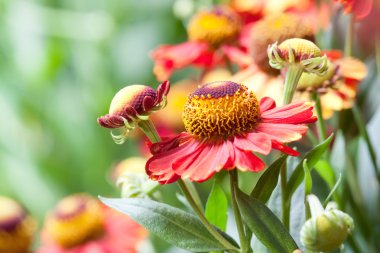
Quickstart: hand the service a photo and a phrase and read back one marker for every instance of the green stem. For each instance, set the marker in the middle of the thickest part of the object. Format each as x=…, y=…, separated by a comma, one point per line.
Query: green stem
x=234, y=185
x=377, y=51
x=284, y=201
x=363, y=132
x=321, y=125
x=349, y=36
x=203, y=219
x=195, y=194
x=293, y=75
x=149, y=130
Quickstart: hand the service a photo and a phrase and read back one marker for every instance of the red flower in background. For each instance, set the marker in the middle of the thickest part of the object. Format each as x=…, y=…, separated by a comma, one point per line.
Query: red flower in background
x=359, y=8
x=81, y=224
x=225, y=123
x=212, y=38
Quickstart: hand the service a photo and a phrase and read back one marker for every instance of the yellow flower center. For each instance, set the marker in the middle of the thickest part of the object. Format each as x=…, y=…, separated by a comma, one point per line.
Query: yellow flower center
x=76, y=219
x=276, y=27
x=214, y=27
x=220, y=110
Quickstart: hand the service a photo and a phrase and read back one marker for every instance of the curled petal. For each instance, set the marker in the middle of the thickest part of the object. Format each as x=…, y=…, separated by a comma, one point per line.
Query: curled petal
x=111, y=121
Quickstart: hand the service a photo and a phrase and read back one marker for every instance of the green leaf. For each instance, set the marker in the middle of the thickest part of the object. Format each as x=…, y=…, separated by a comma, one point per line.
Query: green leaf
x=217, y=207
x=308, y=179
x=171, y=224
x=312, y=157
x=326, y=172
x=268, y=181
x=265, y=225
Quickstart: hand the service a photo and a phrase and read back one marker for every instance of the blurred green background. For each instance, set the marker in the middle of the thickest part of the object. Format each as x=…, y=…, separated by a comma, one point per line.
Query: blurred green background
x=61, y=63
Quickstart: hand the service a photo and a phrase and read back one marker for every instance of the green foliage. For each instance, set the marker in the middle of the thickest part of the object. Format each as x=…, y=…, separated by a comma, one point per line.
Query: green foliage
x=265, y=225
x=173, y=225
x=217, y=207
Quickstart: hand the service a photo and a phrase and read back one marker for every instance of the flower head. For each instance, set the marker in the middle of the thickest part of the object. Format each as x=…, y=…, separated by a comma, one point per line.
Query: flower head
x=80, y=222
x=327, y=229
x=214, y=27
x=301, y=52
x=132, y=104
x=16, y=227
x=225, y=122
x=277, y=27
x=360, y=8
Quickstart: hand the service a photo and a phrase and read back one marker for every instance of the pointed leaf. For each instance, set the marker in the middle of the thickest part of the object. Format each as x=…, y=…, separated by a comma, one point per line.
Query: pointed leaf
x=171, y=224
x=312, y=158
x=265, y=225
x=217, y=207
x=268, y=180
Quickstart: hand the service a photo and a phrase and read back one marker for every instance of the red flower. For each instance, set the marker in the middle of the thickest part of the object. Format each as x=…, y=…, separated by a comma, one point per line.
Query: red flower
x=225, y=123
x=360, y=8
x=80, y=224
x=212, y=35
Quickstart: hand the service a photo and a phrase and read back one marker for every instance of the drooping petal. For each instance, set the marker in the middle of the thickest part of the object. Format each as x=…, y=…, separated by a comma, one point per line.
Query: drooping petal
x=237, y=55
x=282, y=132
x=246, y=161
x=283, y=148
x=256, y=142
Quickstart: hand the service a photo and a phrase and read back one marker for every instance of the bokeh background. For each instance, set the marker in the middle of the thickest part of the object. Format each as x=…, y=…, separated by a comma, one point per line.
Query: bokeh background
x=62, y=61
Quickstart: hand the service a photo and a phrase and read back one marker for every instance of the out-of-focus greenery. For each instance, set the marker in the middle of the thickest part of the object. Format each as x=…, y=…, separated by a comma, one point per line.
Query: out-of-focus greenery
x=61, y=63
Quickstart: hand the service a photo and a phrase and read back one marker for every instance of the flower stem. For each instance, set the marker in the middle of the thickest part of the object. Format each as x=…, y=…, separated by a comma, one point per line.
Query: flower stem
x=349, y=36
x=363, y=132
x=293, y=75
x=149, y=130
x=285, y=204
x=321, y=125
x=203, y=219
x=234, y=184
x=377, y=52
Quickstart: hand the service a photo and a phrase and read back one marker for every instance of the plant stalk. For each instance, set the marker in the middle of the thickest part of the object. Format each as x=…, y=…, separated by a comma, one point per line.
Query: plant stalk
x=293, y=75
x=234, y=184
x=210, y=228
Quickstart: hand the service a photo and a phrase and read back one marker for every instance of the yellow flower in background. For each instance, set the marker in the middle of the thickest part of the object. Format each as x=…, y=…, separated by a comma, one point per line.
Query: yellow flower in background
x=16, y=227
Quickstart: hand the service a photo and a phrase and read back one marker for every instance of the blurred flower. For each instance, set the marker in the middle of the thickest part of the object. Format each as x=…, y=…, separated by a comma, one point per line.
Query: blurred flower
x=131, y=106
x=129, y=175
x=212, y=35
x=81, y=224
x=359, y=8
x=224, y=124
x=327, y=229
x=275, y=28
x=339, y=86
x=16, y=227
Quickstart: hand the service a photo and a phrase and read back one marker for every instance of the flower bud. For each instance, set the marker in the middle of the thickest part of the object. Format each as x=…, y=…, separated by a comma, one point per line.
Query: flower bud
x=327, y=229
x=16, y=227
x=300, y=52
x=131, y=105
x=314, y=82
x=132, y=179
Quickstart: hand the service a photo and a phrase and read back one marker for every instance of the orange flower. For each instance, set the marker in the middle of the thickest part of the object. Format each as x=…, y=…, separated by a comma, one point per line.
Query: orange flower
x=81, y=224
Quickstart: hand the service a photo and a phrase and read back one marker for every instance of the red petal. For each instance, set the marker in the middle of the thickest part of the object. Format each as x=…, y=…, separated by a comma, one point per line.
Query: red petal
x=246, y=161
x=266, y=104
x=295, y=113
x=238, y=56
x=285, y=149
x=282, y=132
x=254, y=142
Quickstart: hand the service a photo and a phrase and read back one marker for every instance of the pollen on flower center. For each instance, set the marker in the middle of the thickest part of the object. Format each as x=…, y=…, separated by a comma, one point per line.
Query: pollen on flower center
x=76, y=219
x=220, y=110
x=214, y=27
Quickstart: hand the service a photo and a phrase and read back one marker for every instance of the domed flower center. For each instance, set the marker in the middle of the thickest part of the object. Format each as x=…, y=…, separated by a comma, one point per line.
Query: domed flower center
x=76, y=219
x=220, y=110
x=303, y=49
x=131, y=96
x=214, y=27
